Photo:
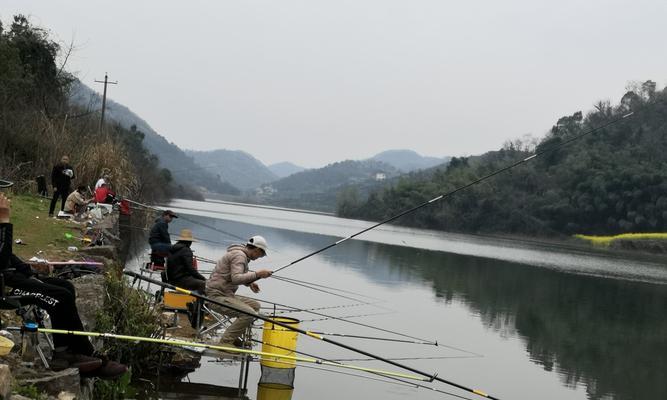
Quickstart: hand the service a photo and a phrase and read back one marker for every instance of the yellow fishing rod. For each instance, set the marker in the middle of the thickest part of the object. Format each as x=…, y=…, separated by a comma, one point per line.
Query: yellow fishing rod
x=266, y=355
x=429, y=377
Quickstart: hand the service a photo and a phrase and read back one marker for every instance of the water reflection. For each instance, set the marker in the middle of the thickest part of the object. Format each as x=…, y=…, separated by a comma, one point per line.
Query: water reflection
x=607, y=334
x=610, y=335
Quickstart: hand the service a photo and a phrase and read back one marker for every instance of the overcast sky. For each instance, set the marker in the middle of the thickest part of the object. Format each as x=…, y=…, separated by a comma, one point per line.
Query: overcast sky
x=314, y=82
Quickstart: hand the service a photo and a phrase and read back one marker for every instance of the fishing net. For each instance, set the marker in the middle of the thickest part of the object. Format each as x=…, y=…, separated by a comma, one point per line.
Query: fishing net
x=277, y=376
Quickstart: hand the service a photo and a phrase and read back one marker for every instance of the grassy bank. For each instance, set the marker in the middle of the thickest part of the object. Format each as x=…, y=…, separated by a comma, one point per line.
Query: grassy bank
x=42, y=236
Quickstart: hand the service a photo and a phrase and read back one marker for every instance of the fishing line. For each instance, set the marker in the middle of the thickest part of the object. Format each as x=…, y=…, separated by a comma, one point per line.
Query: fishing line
x=346, y=317
x=425, y=375
x=435, y=343
x=458, y=189
x=291, y=311
x=205, y=225
x=406, y=358
x=327, y=287
x=320, y=290
x=373, y=337
x=423, y=341
x=223, y=243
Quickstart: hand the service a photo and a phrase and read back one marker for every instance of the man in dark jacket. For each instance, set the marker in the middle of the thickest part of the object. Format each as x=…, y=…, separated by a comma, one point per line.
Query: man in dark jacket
x=158, y=237
x=57, y=298
x=61, y=179
x=180, y=270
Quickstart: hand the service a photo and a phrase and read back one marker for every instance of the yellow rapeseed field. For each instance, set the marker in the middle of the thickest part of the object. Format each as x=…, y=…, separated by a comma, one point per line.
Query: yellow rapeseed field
x=606, y=240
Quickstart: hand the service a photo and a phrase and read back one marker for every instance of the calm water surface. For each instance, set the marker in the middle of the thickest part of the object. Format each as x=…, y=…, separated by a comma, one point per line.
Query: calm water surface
x=517, y=320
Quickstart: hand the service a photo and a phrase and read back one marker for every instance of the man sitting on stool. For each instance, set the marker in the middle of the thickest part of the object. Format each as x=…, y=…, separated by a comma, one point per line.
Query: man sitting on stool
x=230, y=272
x=180, y=265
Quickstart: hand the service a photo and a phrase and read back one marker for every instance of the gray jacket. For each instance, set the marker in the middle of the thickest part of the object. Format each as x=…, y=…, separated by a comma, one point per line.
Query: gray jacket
x=230, y=272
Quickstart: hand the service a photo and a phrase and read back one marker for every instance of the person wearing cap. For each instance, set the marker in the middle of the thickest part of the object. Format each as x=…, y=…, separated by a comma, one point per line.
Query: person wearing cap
x=180, y=270
x=158, y=237
x=231, y=271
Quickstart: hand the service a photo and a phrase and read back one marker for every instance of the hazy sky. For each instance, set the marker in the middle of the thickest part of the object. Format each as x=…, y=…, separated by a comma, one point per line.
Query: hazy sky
x=314, y=82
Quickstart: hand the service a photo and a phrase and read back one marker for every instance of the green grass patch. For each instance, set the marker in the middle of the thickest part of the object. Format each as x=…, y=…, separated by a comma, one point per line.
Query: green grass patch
x=38, y=232
x=607, y=240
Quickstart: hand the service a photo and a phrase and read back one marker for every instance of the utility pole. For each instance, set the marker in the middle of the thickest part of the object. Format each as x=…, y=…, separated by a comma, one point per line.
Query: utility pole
x=104, y=97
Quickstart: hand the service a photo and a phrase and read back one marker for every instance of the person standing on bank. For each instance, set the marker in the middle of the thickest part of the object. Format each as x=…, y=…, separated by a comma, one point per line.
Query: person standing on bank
x=180, y=266
x=158, y=237
x=230, y=272
x=61, y=179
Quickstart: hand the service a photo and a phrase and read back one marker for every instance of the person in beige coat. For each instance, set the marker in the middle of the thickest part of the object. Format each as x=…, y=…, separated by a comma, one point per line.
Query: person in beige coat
x=231, y=271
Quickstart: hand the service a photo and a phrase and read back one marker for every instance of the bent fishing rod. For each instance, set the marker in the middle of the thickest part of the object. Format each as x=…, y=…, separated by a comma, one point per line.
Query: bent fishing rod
x=227, y=349
x=429, y=377
x=460, y=188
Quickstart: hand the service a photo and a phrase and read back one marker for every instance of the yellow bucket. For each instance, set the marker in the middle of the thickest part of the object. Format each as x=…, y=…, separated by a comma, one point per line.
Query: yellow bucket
x=6, y=346
x=274, y=391
x=279, y=340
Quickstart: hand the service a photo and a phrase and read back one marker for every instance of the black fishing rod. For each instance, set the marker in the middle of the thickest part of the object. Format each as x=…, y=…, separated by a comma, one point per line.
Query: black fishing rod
x=427, y=376
x=458, y=189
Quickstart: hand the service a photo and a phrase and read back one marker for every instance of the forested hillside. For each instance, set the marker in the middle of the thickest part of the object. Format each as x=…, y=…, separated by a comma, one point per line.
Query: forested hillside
x=408, y=160
x=38, y=124
x=316, y=189
x=236, y=167
x=609, y=182
x=186, y=172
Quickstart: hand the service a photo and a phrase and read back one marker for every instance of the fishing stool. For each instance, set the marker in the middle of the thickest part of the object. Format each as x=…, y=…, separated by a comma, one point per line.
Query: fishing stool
x=178, y=304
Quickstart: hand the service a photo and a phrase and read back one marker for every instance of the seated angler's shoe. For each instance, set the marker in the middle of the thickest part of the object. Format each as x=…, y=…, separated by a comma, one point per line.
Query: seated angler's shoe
x=109, y=369
x=65, y=359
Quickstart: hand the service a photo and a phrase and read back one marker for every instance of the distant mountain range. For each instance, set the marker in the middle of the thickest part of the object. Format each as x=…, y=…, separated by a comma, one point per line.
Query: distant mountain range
x=234, y=166
x=316, y=189
x=185, y=170
x=408, y=160
x=233, y=172
x=285, y=169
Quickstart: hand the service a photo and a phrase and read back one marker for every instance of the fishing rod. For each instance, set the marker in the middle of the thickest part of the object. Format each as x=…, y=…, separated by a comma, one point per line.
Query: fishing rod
x=271, y=356
x=428, y=377
x=458, y=189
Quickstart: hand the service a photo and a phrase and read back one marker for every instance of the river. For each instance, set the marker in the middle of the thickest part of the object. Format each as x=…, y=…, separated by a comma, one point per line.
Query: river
x=516, y=319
